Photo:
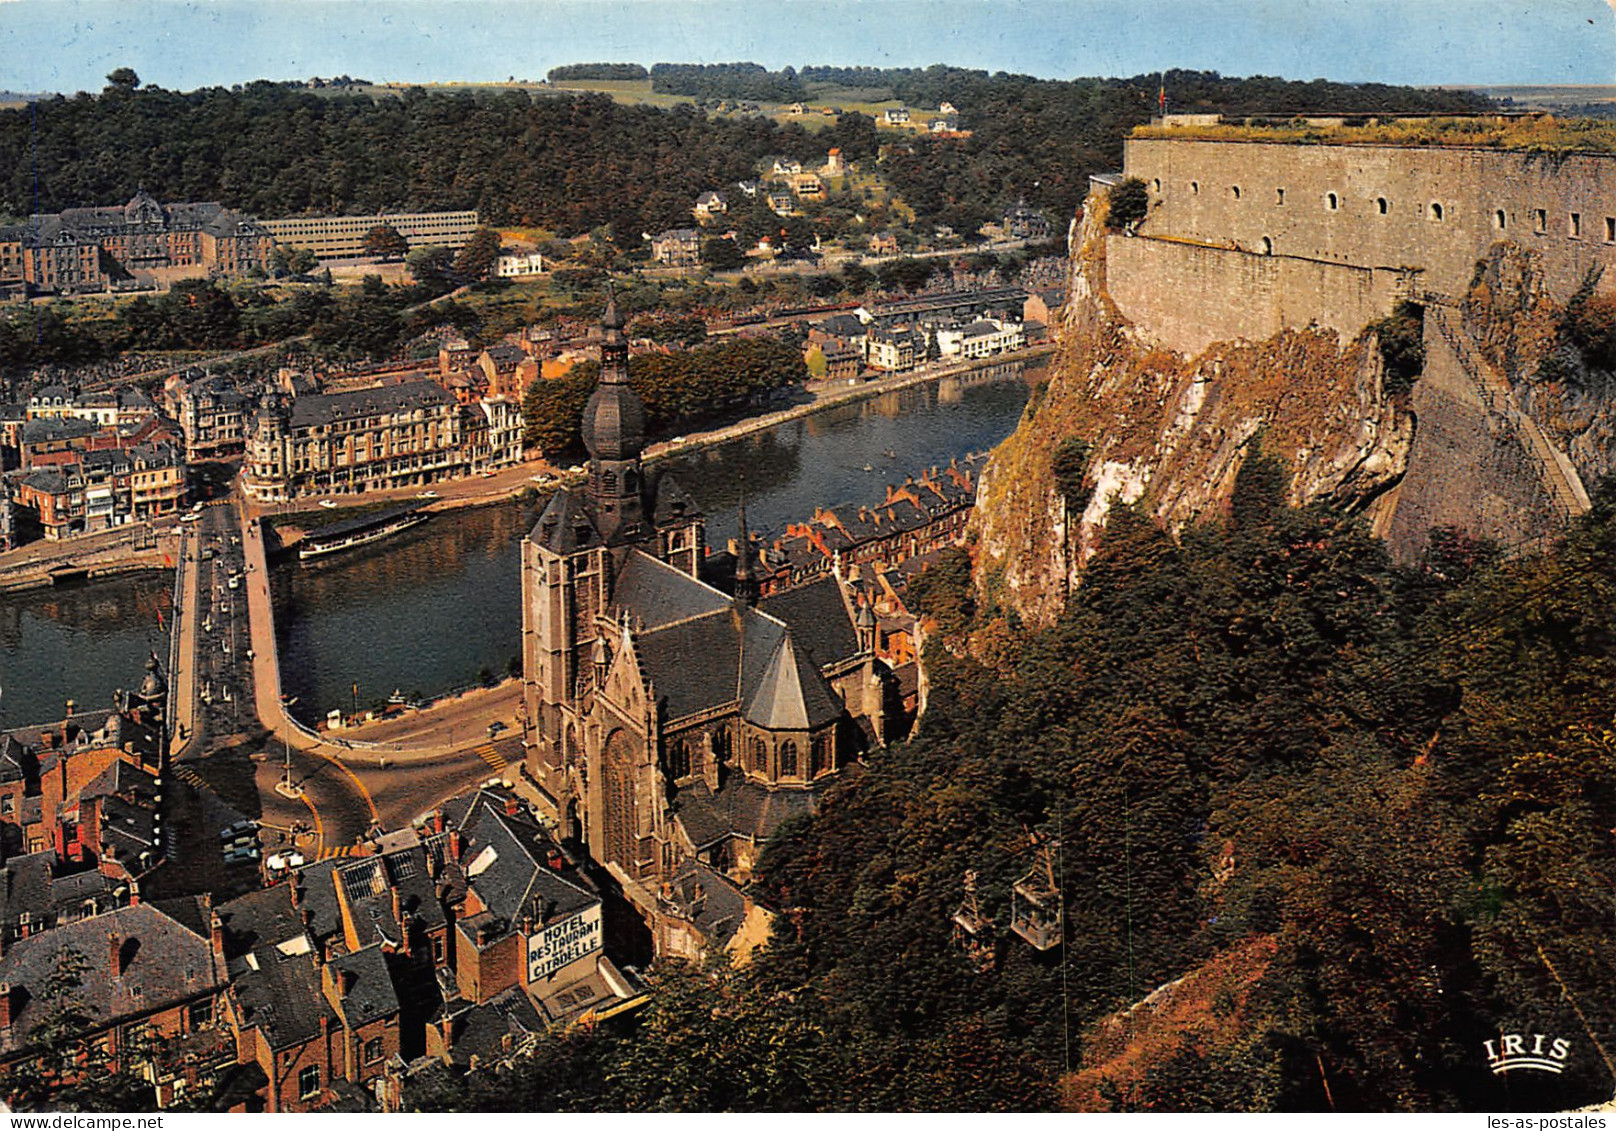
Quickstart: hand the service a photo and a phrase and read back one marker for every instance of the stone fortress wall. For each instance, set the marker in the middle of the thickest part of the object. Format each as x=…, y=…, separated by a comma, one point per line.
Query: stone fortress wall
x=1244, y=238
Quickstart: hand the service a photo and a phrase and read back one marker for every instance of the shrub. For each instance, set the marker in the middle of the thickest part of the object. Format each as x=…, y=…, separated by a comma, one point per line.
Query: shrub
x=1130, y=200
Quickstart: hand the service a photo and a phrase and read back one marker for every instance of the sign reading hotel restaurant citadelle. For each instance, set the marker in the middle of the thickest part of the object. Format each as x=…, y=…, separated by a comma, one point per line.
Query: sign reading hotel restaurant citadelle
x=568, y=940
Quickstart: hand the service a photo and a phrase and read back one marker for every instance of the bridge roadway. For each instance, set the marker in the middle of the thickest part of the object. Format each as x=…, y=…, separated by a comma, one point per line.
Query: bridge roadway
x=234, y=738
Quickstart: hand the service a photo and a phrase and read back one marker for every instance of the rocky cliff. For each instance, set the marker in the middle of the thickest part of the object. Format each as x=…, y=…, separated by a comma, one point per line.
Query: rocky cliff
x=1169, y=432
x=1507, y=420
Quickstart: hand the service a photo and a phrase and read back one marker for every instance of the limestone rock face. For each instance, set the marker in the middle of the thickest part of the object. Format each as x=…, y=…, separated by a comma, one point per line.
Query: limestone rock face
x=1170, y=433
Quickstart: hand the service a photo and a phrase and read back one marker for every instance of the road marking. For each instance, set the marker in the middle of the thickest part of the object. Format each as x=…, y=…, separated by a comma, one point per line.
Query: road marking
x=189, y=776
x=493, y=757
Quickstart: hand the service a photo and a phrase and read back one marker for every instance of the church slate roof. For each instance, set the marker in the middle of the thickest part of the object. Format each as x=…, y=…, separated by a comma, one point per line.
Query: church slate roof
x=565, y=527
x=739, y=808
x=673, y=503
x=658, y=594
x=791, y=695
x=818, y=618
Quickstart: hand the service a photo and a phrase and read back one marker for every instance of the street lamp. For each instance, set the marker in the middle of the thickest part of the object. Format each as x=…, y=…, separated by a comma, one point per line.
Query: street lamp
x=287, y=702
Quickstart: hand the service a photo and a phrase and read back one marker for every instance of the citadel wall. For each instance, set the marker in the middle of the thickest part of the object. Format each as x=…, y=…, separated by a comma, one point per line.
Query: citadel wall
x=1187, y=295
x=1437, y=209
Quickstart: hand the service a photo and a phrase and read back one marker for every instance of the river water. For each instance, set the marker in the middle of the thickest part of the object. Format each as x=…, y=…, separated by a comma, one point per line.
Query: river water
x=438, y=606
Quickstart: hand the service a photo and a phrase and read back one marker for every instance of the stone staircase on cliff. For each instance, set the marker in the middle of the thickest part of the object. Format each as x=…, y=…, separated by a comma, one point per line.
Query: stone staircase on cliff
x=1560, y=478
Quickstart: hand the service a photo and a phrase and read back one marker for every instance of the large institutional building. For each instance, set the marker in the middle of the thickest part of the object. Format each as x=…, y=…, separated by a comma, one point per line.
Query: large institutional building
x=341, y=237
x=675, y=726
x=87, y=249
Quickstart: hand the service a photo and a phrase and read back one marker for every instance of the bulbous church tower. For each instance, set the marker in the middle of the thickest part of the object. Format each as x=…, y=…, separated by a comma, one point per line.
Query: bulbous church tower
x=613, y=428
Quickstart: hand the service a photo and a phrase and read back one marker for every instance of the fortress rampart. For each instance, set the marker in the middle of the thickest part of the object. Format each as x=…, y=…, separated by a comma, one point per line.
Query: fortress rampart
x=1247, y=237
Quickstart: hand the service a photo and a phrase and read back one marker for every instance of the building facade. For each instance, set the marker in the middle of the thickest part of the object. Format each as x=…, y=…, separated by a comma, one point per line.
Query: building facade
x=343, y=237
x=88, y=249
x=402, y=435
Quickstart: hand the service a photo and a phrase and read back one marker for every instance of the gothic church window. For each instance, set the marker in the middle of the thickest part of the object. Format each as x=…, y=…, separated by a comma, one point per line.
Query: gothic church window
x=760, y=755
x=788, y=759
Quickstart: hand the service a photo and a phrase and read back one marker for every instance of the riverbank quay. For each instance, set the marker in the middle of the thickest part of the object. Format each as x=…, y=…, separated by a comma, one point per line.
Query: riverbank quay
x=109, y=553
x=510, y=483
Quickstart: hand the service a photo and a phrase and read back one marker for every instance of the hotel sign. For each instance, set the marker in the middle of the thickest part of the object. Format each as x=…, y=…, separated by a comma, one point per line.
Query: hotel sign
x=563, y=942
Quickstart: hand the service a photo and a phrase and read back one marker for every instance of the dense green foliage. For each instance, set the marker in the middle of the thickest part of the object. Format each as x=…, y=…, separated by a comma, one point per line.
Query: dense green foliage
x=1396, y=784
x=676, y=387
x=1128, y=203
x=1401, y=336
x=596, y=72
x=573, y=164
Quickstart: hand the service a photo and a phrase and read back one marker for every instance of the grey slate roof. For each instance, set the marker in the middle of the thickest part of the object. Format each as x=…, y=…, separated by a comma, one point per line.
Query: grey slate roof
x=164, y=964
x=280, y=996
x=740, y=808
x=659, y=594
x=372, y=995
x=818, y=618
x=565, y=527
x=791, y=694
x=327, y=408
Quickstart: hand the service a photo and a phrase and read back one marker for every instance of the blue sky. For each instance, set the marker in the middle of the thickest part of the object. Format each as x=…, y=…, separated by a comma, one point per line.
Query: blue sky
x=68, y=45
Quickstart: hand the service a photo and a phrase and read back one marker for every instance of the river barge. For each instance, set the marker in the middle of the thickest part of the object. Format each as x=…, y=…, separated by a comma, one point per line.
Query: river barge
x=360, y=531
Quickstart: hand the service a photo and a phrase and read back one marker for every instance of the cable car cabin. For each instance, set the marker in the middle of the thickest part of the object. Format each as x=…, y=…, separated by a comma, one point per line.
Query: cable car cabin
x=973, y=931
x=1035, y=905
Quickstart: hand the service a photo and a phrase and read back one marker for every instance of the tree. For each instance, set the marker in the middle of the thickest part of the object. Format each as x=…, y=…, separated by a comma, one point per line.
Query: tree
x=476, y=259
x=123, y=79
x=722, y=254
x=386, y=242
x=1130, y=201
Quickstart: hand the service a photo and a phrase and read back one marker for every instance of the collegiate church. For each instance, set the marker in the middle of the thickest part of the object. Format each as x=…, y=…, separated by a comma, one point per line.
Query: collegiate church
x=674, y=725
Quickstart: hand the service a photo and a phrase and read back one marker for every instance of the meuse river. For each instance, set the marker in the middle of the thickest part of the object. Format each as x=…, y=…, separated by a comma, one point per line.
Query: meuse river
x=436, y=607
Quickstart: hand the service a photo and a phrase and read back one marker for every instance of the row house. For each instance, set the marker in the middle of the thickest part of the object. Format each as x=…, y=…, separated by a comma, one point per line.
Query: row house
x=146, y=976
x=922, y=515
x=453, y=943
x=100, y=489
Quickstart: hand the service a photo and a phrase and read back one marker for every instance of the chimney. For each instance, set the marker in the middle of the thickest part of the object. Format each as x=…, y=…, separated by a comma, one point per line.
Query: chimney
x=115, y=954
x=134, y=893
x=456, y=844
x=432, y=865
x=308, y=916
x=398, y=906
x=297, y=890
x=512, y=806
x=216, y=935
x=437, y=820
x=527, y=925
x=5, y=1005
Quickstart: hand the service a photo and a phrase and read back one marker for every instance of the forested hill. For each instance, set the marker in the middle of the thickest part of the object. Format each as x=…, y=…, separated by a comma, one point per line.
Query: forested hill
x=1363, y=812
x=574, y=163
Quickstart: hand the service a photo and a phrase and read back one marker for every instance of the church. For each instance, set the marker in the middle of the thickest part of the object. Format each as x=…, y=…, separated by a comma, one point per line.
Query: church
x=673, y=725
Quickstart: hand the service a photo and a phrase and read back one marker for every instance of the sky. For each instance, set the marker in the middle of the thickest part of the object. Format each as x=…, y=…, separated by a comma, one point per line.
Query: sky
x=70, y=45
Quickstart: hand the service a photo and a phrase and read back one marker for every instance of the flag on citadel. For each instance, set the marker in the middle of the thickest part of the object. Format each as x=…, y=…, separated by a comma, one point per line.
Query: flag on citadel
x=1161, y=96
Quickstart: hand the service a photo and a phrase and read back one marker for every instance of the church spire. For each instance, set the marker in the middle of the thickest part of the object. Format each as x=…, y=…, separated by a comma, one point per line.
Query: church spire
x=746, y=587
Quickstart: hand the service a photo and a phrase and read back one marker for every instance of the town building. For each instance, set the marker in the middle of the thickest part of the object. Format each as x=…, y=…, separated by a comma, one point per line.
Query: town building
x=1023, y=222
x=896, y=116
x=981, y=338
x=213, y=416
x=102, y=488
x=781, y=204
x=895, y=349
x=786, y=167
x=808, y=186
x=92, y=249
x=675, y=770
x=343, y=237
x=520, y=265
x=677, y=247
x=710, y=205
x=835, y=165
x=404, y=435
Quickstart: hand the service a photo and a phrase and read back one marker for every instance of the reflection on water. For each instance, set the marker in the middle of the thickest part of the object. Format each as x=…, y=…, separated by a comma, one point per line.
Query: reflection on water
x=78, y=643
x=421, y=612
